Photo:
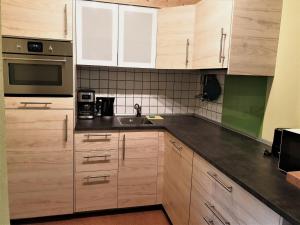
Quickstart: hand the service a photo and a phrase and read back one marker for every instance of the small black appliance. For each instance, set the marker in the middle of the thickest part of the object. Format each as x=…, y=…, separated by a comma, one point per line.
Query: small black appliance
x=105, y=106
x=86, y=104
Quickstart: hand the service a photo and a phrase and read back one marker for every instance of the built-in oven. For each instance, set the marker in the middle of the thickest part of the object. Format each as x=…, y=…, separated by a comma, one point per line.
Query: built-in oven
x=37, y=67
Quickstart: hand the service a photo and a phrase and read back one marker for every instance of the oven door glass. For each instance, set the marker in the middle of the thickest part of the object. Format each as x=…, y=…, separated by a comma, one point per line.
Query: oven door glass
x=35, y=74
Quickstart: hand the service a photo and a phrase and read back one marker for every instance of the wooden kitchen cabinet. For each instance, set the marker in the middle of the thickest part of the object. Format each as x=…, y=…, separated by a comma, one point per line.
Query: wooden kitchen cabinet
x=97, y=33
x=218, y=199
x=39, y=145
x=137, y=36
x=96, y=170
x=48, y=19
x=212, y=34
x=137, y=176
x=177, y=180
x=175, y=37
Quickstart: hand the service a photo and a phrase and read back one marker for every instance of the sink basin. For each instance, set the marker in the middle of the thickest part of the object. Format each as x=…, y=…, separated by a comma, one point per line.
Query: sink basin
x=134, y=121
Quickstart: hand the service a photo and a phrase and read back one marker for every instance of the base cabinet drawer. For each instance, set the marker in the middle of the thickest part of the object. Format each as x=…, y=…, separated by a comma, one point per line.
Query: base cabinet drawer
x=96, y=141
x=96, y=190
x=227, y=201
x=96, y=160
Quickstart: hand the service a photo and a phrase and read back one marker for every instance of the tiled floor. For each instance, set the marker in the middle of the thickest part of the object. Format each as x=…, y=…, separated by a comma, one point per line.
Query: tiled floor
x=155, y=217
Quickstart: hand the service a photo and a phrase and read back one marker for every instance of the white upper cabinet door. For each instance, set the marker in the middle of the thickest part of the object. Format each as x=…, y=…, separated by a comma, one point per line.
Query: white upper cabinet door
x=137, y=37
x=97, y=33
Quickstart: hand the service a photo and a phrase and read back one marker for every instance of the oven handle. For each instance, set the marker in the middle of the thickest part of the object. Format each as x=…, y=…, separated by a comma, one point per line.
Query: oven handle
x=40, y=60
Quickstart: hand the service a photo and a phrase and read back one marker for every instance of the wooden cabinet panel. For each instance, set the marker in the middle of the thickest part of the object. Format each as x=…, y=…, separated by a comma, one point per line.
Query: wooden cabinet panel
x=212, y=34
x=233, y=203
x=96, y=190
x=177, y=186
x=32, y=103
x=97, y=141
x=97, y=33
x=137, y=182
x=49, y=19
x=35, y=189
x=21, y=119
x=137, y=179
x=39, y=143
x=175, y=40
x=255, y=34
x=160, y=170
x=96, y=160
x=137, y=36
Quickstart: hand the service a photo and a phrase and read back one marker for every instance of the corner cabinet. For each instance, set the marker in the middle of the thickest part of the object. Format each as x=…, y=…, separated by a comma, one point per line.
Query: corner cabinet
x=97, y=33
x=47, y=19
x=137, y=36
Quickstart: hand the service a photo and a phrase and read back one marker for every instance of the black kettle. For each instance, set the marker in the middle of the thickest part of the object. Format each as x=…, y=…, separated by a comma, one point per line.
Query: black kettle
x=105, y=106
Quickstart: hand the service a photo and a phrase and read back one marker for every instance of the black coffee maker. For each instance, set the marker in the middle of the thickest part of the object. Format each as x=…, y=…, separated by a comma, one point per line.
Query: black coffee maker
x=105, y=106
x=85, y=104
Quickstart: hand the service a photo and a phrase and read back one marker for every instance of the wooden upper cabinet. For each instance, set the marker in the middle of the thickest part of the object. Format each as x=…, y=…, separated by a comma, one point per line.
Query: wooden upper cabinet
x=212, y=34
x=137, y=36
x=175, y=37
x=255, y=35
x=97, y=33
x=47, y=19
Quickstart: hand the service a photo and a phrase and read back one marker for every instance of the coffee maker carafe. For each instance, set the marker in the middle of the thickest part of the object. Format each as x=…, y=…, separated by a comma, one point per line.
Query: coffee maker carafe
x=105, y=106
x=86, y=104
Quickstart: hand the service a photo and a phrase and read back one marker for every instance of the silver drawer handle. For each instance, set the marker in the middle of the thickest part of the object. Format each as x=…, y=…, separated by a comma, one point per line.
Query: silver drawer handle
x=38, y=60
x=208, y=221
x=43, y=105
x=217, y=214
x=88, y=178
x=178, y=147
x=104, y=136
x=216, y=178
x=97, y=156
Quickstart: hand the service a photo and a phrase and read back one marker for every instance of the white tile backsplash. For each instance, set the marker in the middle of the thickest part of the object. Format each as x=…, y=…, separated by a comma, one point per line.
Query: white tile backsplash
x=157, y=91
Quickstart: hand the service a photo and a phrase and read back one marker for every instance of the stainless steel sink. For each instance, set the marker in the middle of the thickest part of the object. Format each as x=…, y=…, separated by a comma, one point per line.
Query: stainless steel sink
x=134, y=121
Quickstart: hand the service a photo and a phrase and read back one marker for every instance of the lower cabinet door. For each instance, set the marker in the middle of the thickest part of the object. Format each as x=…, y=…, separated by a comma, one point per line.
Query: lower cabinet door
x=96, y=190
x=177, y=185
x=40, y=184
x=137, y=182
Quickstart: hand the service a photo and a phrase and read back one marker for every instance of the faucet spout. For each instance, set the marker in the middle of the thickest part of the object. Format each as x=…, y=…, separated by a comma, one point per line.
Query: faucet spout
x=138, y=109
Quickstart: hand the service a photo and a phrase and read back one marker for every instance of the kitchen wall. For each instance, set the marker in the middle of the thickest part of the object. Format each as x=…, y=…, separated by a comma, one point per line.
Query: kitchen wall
x=4, y=215
x=283, y=103
x=157, y=91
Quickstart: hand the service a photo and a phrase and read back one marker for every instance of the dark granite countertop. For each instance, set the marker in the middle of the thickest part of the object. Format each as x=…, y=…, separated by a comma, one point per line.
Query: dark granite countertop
x=239, y=157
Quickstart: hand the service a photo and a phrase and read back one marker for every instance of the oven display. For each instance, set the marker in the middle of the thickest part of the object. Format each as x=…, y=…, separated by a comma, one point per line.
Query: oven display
x=34, y=46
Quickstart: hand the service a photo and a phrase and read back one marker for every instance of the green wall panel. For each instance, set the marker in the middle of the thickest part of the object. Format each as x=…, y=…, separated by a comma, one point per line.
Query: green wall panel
x=244, y=103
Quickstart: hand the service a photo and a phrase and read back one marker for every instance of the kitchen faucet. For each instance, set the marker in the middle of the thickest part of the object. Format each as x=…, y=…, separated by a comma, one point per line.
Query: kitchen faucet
x=138, y=110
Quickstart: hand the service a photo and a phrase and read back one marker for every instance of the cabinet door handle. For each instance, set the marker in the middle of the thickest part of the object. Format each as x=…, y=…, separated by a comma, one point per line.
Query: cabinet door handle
x=217, y=213
x=66, y=123
x=217, y=179
x=187, y=52
x=222, y=46
x=208, y=221
x=177, y=147
x=66, y=19
x=124, y=147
